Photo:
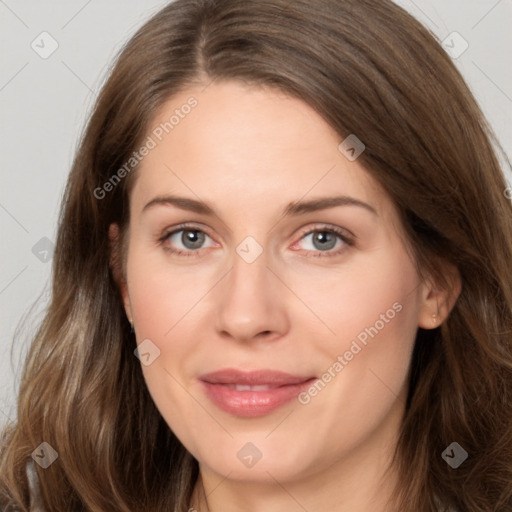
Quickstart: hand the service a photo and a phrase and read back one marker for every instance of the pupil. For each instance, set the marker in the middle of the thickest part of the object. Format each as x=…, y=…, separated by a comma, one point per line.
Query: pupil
x=193, y=237
x=324, y=236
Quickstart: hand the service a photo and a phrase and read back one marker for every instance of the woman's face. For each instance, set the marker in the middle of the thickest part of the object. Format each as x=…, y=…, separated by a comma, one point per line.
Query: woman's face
x=292, y=280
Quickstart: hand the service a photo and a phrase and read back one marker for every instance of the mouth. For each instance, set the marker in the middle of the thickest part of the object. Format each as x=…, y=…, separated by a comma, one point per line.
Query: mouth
x=254, y=393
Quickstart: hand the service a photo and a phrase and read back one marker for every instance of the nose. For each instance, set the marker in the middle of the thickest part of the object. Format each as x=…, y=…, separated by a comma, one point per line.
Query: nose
x=251, y=303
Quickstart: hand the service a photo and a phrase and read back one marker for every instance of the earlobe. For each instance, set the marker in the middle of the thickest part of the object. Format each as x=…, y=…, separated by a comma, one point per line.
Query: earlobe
x=116, y=267
x=437, y=302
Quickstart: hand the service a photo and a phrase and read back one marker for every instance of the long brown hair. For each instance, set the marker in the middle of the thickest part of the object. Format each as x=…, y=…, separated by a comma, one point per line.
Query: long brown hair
x=368, y=68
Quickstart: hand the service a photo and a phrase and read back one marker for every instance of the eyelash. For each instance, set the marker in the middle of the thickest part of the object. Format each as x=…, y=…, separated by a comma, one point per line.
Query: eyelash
x=347, y=240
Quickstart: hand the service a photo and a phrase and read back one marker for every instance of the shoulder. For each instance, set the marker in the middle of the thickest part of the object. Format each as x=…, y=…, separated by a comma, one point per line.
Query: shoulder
x=33, y=484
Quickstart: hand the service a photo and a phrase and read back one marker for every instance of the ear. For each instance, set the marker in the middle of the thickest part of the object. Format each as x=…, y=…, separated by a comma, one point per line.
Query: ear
x=438, y=300
x=116, y=267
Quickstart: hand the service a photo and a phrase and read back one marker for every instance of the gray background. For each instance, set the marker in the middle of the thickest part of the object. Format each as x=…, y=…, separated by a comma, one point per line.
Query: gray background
x=44, y=104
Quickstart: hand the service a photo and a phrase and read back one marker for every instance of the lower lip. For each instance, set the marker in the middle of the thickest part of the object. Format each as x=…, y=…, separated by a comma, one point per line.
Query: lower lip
x=252, y=403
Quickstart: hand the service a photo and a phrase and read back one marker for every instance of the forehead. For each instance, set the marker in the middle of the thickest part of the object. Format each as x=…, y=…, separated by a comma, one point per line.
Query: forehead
x=254, y=146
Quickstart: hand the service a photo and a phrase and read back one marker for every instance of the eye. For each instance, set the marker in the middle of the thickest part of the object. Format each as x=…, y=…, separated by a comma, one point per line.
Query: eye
x=323, y=239
x=190, y=238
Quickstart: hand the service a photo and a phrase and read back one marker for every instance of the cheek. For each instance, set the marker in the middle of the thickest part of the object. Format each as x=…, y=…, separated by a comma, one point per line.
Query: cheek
x=168, y=301
x=162, y=294
x=163, y=299
x=373, y=297
x=373, y=313
x=369, y=313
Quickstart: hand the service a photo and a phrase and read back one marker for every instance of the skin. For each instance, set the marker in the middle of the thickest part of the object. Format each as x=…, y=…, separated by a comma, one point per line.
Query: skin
x=249, y=152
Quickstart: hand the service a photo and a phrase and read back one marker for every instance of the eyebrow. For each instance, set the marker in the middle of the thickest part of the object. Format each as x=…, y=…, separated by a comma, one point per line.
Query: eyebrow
x=292, y=209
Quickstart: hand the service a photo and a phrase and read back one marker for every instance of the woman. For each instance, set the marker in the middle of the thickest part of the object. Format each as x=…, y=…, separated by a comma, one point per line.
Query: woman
x=281, y=279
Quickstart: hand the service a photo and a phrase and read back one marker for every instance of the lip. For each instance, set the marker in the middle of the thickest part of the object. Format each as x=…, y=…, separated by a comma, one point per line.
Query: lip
x=252, y=393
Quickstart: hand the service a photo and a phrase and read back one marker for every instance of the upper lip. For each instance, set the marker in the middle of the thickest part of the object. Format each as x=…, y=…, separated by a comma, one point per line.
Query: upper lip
x=253, y=378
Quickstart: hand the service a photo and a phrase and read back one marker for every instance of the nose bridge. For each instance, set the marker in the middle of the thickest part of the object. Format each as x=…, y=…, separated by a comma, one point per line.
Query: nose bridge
x=248, y=280
x=249, y=270
x=250, y=296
